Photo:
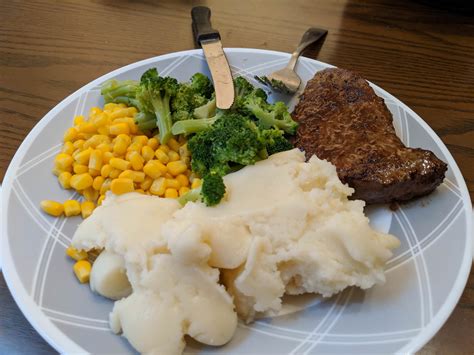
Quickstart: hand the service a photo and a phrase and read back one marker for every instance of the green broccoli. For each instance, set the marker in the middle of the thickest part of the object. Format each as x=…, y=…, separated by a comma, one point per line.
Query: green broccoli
x=202, y=85
x=207, y=110
x=120, y=92
x=187, y=127
x=274, y=141
x=271, y=115
x=210, y=192
x=154, y=95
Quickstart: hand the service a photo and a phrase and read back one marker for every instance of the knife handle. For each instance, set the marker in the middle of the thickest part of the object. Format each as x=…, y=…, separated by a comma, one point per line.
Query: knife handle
x=202, y=29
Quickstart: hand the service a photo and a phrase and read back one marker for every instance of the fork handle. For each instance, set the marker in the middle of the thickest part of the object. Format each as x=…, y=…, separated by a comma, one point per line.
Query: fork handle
x=311, y=36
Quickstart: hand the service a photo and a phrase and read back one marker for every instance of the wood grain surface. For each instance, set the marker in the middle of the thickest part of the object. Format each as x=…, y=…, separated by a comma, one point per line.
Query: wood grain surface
x=421, y=52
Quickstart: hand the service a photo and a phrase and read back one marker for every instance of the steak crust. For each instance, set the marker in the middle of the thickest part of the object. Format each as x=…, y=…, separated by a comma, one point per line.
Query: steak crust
x=342, y=120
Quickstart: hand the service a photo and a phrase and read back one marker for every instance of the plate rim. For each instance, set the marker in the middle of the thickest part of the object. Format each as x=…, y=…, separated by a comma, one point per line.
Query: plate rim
x=62, y=343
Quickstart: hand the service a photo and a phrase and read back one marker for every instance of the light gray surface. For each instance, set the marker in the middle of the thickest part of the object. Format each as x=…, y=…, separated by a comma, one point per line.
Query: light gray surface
x=383, y=319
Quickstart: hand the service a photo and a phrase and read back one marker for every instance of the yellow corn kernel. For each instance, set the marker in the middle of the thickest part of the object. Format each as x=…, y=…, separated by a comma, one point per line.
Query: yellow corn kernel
x=99, y=120
x=110, y=106
x=87, y=207
x=140, y=191
x=140, y=139
x=57, y=171
x=76, y=254
x=183, y=151
x=94, y=111
x=187, y=161
x=122, y=186
x=83, y=135
x=71, y=208
x=63, y=161
x=164, y=148
x=173, y=155
x=101, y=198
x=105, y=186
x=68, y=148
x=183, y=180
x=168, y=176
x=173, y=183
x=154, y=169
x=183, y=190
x=78, y=120
x=83, y=157
x=106, y=157
x=136, y=160
x=125, y=137
x=90, y=194
x=123, y=112
x=145, y=185
x=104, y=147
x=81, y=181
x=196, y=183
x=136, y=176
x=176, y=167
x=103, y=130
x=136, y=146
x=153, y=143
x=173, y=144
x=114, y=173
x=79, y=168
x=52, y=207
x=120, y=147
x=158, y=187
x=94, y=172
x=147, y=152
x=82, y=269
x=95, y=140
x=119, y=128
x=105, y=171
x=78, y=144
x=97, y=183
x=70, y=134
x=131, y=123
x=86, y=127
x=120, y=164
x=64, y=179
x=95, y=160
x=171, y=193
x=162, y=156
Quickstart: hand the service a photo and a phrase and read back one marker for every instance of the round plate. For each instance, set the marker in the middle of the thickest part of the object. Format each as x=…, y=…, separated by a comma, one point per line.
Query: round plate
x=425, y=278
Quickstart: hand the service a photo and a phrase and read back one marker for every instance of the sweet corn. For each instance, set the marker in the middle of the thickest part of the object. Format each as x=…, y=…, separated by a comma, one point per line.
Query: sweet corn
x=101, y=198
x=136, y=160
x=79, y=168
x=64, y=179
x=104, y=148
x=145, y=185
x=78, y=144
x=140, y=191
x=143, y=140
x=115, y=173
x=120, y=146
x=97, y=183
x=94, y=172
x=173, y=183
x=105, y=186
x=52, y=207
x=99, y=120
x=147, y=152
x=78, y=120
x=196, y=183
x=153, y=143
x=123, y=112
x=155, y=169
x=173, y=155
x=71, y=208
x=106, y=157
x=68, y=148
x=63, y=161
x=86, y=127
x=173, y=144
x=121, y=186
x=158, y=187
x=183, y=190
x=87, y=207
x=90, y=194
x=119, y=128
x=83, y=157
x=120, y=164
x=76, y=254
x=129, y=121
x=183, y=180
x=183, y=151
x=105, y=171
x=95, y=160
x=136, y=146
x=171, y=193
x=164, y=148
x=81, y=181
x=176, y=167
x=82, y=269
x=136, y=176
x=70, y=134
x=162, y=156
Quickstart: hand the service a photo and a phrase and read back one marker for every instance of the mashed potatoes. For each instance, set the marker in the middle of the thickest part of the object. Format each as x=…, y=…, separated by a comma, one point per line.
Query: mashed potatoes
x=285, y=226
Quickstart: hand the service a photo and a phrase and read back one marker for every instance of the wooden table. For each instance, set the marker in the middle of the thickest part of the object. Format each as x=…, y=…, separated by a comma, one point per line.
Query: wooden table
x=420, y=52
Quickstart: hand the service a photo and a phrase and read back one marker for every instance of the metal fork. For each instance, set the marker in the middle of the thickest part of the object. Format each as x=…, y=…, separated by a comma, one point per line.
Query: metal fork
x=286, y=80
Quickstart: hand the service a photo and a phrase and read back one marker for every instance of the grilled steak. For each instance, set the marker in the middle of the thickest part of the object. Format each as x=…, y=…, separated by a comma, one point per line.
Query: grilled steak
x=342, y=120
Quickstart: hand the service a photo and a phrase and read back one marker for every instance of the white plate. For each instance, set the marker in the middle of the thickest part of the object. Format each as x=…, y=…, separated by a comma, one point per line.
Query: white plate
x=424, y=279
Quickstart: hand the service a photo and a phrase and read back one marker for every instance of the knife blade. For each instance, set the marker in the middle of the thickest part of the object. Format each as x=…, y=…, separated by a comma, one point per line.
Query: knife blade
x=210, y=41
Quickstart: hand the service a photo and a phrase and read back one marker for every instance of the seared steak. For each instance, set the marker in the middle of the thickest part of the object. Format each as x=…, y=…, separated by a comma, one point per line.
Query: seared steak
x=342, y=120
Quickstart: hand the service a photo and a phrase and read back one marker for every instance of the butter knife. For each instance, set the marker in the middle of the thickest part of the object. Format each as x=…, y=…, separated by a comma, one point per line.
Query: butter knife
x=210, y=41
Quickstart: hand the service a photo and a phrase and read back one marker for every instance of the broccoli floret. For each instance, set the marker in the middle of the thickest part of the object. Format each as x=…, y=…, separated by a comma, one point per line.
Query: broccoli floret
x=154, y=94
x=187, y=127
x=269, y=115
x=120, y=92
x=202, y=85
x=207, y=110
x=213, y=189
x=190, y=196
x=275, y=141
x=185, y=101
